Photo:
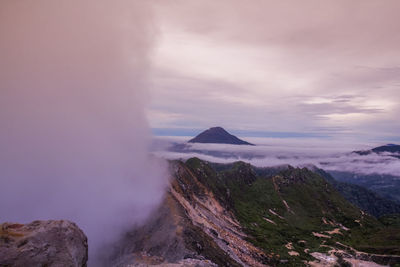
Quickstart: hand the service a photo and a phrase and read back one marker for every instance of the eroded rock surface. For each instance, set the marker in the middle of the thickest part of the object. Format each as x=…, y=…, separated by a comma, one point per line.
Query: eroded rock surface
x=43, y=243
x=228, y=215
x=191, y=226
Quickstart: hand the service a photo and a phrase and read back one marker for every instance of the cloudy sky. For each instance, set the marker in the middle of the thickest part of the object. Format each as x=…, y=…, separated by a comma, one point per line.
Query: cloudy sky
x=328, y=69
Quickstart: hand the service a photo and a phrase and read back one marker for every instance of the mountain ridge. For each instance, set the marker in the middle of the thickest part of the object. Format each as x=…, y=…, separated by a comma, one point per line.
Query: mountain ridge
x=236, y=215
x=388, y=148
x=366, y=199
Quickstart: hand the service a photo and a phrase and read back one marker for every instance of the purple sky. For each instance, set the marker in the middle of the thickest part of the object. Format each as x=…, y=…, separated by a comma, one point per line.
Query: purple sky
x=330, y=68
x=81, y=81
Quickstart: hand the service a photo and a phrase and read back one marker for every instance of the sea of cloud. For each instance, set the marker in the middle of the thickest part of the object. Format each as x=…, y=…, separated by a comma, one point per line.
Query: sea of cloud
x=326, y=154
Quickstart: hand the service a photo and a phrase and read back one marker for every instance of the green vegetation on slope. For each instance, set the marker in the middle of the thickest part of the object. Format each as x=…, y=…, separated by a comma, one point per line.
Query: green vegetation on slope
x=363, y=198
x=294, y=210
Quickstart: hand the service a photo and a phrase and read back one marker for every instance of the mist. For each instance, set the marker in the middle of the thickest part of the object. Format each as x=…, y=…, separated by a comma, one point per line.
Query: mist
x=73, y=134
x=268, y=152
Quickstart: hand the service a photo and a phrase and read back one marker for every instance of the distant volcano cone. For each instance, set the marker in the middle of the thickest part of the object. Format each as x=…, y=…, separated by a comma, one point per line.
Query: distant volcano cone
x=218, y=135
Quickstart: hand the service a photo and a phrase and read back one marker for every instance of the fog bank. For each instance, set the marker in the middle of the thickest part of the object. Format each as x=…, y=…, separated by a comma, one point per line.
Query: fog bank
x=330, y=156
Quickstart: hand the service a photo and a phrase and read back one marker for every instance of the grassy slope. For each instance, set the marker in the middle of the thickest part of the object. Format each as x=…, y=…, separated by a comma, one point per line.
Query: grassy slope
x=363, y=198
x=309, y=196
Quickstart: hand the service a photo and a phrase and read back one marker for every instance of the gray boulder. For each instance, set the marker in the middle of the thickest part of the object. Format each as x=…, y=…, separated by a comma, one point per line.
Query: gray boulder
x=43, y=243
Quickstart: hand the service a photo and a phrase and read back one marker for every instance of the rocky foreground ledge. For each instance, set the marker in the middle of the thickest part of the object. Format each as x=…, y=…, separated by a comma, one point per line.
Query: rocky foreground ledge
x=43, y=243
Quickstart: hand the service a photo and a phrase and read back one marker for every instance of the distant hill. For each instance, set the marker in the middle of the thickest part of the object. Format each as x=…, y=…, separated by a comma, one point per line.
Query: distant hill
x=392, y=148
x=218, y=135
x=386, y=186
x=389, y=148
x=365, y=199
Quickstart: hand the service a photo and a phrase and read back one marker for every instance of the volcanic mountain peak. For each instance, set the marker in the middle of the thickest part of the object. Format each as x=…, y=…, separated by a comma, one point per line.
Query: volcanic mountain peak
x=218, y=135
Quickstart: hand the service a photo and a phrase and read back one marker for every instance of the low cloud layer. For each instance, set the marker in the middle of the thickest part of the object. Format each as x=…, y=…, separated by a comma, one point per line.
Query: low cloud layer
x=274, y=152
x=73, y=133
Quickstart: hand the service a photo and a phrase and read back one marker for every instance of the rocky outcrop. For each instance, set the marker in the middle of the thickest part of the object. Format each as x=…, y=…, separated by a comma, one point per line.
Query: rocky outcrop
x=43, y=243
x=190, y=228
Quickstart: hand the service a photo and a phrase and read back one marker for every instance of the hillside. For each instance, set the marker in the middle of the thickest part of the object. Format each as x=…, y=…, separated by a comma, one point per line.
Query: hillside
x=236, y=215
x=362, y=197
x=218, y=135
x=386, y=186
x=389, y=148
x=392, y=148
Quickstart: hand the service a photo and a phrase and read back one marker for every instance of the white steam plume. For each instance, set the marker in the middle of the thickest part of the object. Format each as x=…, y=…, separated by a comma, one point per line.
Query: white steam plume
x=73, y=134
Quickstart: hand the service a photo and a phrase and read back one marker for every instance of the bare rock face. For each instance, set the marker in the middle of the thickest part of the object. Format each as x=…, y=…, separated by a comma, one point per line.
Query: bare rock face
x=43, y=243
x=190, y=228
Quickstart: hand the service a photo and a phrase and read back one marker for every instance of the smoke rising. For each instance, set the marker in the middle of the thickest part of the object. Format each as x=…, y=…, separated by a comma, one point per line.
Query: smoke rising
x=73, y=133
